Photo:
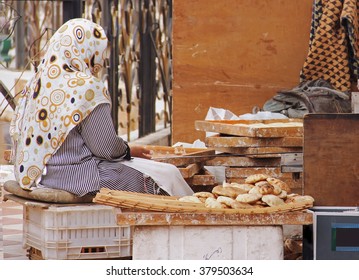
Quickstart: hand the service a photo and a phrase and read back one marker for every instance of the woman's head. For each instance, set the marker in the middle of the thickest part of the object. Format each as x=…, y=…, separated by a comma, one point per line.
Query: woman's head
x=78, y=45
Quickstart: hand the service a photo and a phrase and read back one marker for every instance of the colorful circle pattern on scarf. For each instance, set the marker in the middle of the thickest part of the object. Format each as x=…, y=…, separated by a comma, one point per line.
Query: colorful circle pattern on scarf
x=63, y=91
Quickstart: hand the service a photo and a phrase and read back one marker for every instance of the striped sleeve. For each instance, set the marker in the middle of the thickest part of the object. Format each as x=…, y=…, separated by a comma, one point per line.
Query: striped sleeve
x=100, y=137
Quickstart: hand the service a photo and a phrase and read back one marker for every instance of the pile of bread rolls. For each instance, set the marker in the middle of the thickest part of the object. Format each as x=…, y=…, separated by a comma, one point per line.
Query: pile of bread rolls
x=258, y=190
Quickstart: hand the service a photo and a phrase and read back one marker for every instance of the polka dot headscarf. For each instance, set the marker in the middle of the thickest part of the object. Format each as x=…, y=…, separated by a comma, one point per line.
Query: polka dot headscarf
x=61, y=94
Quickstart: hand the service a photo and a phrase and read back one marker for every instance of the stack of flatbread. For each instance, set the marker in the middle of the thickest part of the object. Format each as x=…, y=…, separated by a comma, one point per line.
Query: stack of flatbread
x=258, y=190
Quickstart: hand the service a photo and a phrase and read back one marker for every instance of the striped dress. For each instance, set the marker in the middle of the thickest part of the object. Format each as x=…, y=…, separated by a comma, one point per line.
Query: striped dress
x=90, y=158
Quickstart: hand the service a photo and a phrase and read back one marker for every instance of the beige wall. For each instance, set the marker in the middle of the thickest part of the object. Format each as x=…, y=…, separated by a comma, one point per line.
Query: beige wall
x=234, y=54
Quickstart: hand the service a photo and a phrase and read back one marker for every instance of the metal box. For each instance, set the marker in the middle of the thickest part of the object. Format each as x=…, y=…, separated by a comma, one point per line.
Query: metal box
x=334, y=234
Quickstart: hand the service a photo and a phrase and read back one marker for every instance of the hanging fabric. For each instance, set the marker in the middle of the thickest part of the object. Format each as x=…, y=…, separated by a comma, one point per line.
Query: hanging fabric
x=334, y=44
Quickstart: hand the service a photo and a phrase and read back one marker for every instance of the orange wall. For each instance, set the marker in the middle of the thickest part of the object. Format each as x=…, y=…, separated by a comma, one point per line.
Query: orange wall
x=234, y=54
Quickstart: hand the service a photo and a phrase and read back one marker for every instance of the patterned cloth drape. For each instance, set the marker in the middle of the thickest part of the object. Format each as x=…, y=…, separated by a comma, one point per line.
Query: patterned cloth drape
x=334, y=44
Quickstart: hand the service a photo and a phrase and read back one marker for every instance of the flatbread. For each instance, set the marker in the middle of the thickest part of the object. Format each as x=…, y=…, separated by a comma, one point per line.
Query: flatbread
x=272, y=200
x=249, y=197
x=283, y=194
x=240, y=205
x=252, y=179
x=203, y=194
x=264, y=187
x=190, y=198
x=227, y=191
x=278, y=184
x=225, y=200
x=255, y=189
x=245, y=187
x=300, y=199
x=213, y=203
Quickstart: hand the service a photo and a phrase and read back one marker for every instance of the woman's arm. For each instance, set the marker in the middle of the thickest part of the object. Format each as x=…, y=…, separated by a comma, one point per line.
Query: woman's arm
x=140, y=151
x=100, y=136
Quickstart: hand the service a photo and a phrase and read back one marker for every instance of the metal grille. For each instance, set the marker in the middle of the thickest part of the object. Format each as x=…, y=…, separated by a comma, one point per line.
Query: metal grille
x=140, y=70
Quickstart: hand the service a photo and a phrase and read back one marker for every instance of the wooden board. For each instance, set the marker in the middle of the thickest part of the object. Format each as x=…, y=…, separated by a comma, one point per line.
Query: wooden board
x=242, y=161
x=331, y=159
x=190, y=170
x=259, y=152
x=244, y=172
x=179, y=156
x=205, y=178
x=220, y=141
x=200, y=219
x=234, y=54
x=251, y=128
x=292, y=163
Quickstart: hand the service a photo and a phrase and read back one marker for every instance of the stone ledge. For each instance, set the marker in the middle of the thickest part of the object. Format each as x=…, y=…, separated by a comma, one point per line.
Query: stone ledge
x=158, y=138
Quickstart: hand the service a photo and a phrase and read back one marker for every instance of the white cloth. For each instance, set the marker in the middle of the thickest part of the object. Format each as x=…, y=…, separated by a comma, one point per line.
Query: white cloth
x=166, y=175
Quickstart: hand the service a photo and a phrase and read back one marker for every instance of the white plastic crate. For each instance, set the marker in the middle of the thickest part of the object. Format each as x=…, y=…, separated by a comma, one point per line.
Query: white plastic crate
x=76, y=232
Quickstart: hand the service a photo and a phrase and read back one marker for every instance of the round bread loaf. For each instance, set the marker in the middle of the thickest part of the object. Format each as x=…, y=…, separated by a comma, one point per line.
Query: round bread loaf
x=225, y=200
x=213, y=203
x=264, y=187
x=249, y=197
x=203, y=194
x=240, y=205
x=272, y=200
x=227, y=191
x=190, y=198
x=252, y=179
x=279, y=184
x=245, y=187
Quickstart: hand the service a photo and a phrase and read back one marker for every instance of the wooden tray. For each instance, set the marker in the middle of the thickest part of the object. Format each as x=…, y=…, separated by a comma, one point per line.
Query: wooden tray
x=260, y=152
x=203, y=178
x=191, y=170
x=243, y=161
x=244, y=172
x=179, y=156
x=220, y=141
x=251, y=128
x=172, y=204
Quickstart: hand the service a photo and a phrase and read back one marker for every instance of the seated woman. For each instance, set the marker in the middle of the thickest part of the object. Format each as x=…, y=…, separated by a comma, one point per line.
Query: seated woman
x=62, y=130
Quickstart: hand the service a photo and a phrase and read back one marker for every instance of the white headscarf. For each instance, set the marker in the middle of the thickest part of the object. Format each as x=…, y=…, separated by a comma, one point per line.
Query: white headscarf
x=61, y=94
